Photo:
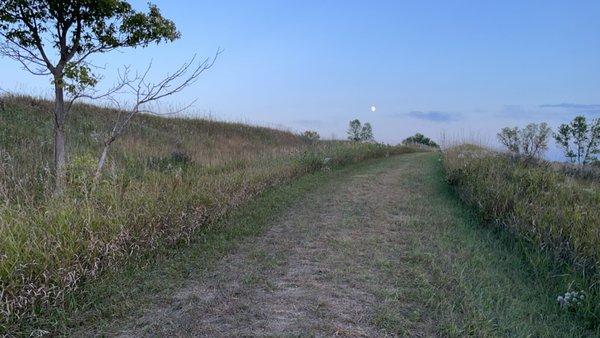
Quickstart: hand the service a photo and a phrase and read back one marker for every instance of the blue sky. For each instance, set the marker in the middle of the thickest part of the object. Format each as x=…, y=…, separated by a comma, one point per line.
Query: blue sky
x=460, y=68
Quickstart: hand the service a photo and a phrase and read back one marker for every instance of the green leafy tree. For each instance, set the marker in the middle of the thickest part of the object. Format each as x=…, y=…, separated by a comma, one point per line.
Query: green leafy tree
x=358, y=132
x=57, y=37
x=530, y=142
x=509, y=137
x=366, y=133
x=579, y=140
x=354, y=129
x=421, y=139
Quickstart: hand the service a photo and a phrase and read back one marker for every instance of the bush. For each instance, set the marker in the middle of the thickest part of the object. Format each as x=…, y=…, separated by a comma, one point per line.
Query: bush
x=310, y=136
x=421, y=140
x=176, y=159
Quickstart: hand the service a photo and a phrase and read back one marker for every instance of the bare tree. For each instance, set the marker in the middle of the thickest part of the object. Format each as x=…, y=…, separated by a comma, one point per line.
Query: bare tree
x=145, y=92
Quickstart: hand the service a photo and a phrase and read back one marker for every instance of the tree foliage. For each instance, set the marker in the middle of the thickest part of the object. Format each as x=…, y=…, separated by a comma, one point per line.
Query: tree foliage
x=530, y=142
x=579, y=140
x=421, y=139
x=57, y=36
x=354, y=130
x=366, y=133
x=358, y=132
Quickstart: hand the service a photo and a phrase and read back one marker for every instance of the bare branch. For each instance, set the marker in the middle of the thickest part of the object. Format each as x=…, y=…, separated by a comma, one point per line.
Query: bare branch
x=27, y=58
x=37, y=40
x=145, y=92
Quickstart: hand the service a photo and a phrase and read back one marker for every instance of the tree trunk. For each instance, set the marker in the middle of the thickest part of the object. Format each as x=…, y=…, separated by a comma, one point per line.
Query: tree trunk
x=59, y=138
x=100, y=165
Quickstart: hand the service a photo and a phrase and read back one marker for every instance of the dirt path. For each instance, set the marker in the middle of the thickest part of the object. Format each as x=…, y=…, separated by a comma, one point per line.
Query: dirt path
x=324, y=268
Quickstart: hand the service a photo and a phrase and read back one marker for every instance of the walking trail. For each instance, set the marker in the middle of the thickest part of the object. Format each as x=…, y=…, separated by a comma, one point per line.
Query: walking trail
x=365, y=253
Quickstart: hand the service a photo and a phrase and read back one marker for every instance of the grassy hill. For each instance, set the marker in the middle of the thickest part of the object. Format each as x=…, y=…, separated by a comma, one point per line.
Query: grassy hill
x=26, y=141
x=166, y=177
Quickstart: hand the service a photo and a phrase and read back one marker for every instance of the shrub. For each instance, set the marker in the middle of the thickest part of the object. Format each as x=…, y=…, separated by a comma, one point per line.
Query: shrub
x=176, y=159
x=420, y=139
x=311, y=136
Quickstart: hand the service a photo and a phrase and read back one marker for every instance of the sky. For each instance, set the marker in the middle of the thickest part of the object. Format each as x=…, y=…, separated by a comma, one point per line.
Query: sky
x=454, y=70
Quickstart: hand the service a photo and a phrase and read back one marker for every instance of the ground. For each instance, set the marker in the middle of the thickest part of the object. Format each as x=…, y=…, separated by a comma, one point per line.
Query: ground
x=381, y=248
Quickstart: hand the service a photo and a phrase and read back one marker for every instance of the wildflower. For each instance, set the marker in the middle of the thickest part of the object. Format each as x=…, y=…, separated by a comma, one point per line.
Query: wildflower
x=561, y=301
x=570, y=299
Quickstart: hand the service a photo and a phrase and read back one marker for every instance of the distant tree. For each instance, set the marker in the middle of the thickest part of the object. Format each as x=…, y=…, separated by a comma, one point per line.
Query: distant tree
x=419, y=138
x=56, y=38
x=354, y=130
x=358, y=132
x=366, y=133
x=579, y=140
x=509, y=137
x=534, y=139
x=530, y=142
x=311, y=136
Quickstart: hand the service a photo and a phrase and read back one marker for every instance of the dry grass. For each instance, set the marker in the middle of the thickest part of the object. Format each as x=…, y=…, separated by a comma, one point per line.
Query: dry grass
x=166, y=178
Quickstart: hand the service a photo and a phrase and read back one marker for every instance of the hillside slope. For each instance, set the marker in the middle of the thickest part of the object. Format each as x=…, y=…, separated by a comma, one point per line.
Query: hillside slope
x=26, y=140
x=165, y=178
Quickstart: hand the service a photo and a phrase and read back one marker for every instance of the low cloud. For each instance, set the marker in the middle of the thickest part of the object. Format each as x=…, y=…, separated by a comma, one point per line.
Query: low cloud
x=516, y=112
x=433, y=116
x=575, y=106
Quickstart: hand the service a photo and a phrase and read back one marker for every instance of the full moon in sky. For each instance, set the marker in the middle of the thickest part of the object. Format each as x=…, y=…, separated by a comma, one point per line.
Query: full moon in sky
x=373, y=108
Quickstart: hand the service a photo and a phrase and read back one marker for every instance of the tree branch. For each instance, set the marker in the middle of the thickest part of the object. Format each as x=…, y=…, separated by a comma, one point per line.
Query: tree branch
x=145, y=92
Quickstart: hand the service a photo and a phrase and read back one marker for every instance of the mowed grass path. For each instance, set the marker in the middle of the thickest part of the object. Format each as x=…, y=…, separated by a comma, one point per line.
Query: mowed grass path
x=378, y=248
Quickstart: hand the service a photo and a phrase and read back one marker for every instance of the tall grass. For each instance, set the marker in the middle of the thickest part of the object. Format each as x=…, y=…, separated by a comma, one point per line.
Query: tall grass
x=541, y=206
x=166, y=178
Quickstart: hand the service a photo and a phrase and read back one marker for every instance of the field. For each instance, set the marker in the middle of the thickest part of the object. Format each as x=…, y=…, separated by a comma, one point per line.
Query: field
x=166, y=178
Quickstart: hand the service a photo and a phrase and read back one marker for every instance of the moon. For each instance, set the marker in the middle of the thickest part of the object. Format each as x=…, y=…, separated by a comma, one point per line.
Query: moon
x=373, y=108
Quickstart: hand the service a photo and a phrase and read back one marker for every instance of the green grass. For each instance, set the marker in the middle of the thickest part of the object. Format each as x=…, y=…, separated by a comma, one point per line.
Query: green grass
x=476, y=279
